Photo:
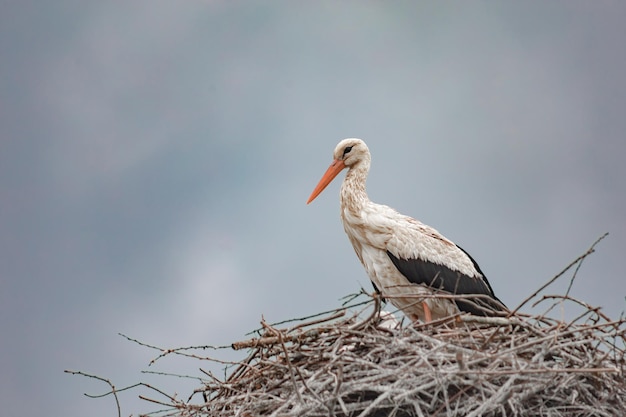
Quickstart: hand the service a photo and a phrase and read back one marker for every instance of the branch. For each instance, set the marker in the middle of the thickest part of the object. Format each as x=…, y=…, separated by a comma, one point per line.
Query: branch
x=574, y=262
x=113, y=390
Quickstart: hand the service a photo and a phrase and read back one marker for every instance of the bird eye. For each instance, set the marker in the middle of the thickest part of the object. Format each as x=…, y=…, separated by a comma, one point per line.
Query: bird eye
x=348, y=149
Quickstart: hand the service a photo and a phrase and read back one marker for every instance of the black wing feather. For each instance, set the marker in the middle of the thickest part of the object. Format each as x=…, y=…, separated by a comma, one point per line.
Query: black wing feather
x=445, y=279
x=486, y=281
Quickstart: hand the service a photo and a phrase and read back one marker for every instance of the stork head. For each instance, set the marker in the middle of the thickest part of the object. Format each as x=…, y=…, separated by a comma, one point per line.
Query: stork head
x=348, y=154
x=351, y=152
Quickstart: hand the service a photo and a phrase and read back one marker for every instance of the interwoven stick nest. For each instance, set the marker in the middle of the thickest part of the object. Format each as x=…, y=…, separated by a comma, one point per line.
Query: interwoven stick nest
x=357, y=361
x=464, y=366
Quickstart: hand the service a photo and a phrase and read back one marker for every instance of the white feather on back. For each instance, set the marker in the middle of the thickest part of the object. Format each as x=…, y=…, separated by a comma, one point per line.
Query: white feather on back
x=384, y=228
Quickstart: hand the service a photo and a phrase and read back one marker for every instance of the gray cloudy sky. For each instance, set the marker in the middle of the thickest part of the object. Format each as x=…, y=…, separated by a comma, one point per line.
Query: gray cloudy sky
x=156, y=157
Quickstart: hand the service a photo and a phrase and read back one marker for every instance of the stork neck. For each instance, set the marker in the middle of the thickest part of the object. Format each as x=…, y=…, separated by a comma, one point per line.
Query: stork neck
x=353, y=192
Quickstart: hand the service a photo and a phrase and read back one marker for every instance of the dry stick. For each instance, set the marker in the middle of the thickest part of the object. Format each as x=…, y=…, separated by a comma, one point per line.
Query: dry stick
x=113, y=390
x=206, y=384
x=454, y=397
x=500, y=321
x=538, y=371
x=435, y=323
x=291, y=371
x=142, y=397
x=562, y=334
x=181, y=348
x=178, y=351
x=579, y=302
x=571, y=281
x=580, y=258
x=337, y=315
x=497, y=398
x=338, y=378
x=306, y=387
x=370, y=318
x=273, y=340
x=350, y=297
x=375, y=403
x=314, y=315
x=244, y=365
x=172, y=399
x=554, y=305
x=175, y=375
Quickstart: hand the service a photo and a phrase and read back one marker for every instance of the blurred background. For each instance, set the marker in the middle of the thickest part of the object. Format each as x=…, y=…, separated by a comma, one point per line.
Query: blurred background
x=155, y=160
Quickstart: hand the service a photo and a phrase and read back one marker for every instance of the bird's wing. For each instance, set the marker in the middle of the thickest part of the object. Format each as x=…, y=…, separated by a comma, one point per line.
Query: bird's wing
x=426, y=257
x=480, y=299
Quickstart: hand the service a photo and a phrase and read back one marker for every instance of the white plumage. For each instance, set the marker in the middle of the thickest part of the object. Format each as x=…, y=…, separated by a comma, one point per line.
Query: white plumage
x=406, y=260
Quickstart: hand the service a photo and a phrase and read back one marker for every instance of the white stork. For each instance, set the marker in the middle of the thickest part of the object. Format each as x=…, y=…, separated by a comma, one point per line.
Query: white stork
x=408, y=262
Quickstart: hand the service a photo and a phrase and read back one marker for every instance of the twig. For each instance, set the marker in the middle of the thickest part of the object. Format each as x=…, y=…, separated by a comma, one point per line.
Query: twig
x=113, y=390
x=332, y=317
x=345, y=307
x=282, y=343
x=574, y=262
x=174, y=375
x=273, y=340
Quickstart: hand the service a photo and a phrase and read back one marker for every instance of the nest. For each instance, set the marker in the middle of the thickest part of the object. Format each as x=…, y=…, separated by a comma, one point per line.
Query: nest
x=356, y=361
x=461, y=366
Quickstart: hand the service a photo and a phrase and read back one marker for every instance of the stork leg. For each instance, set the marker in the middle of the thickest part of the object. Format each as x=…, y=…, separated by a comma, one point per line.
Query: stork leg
x=427, y=315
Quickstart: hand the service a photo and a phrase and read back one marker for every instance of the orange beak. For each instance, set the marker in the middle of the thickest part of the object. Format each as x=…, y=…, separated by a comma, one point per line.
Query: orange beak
x=335, y=168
